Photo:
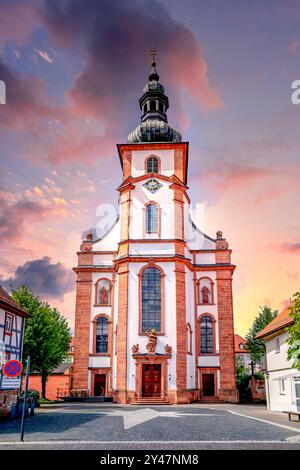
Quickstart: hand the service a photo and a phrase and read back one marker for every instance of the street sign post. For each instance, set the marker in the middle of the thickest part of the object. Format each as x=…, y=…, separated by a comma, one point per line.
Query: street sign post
x=25, y=399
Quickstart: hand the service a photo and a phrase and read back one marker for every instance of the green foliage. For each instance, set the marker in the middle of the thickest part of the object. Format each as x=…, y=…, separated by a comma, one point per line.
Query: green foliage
x=242, y=373
x=294, y=332
x=259, y=375
x=47, y=334
x=256, y=347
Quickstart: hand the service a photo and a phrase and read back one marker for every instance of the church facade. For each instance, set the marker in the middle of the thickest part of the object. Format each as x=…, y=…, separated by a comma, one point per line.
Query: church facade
x=154, y=313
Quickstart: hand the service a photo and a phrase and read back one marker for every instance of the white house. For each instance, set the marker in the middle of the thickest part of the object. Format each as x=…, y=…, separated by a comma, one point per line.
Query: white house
x=282, y=380
x=12, y=322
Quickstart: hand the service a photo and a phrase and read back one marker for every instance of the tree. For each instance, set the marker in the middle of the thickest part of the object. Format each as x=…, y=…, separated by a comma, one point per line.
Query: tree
x=256, y=347
x=47, y=334
x=294, y=332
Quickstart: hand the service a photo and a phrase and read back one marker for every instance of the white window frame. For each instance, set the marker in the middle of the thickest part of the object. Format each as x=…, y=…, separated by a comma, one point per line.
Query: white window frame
x=282, y=387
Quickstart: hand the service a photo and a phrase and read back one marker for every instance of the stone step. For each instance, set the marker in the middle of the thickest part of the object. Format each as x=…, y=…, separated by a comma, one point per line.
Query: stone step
x=151, y=401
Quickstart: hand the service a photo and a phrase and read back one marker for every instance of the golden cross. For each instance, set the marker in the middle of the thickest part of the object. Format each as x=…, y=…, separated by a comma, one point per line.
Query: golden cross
x=153, y=52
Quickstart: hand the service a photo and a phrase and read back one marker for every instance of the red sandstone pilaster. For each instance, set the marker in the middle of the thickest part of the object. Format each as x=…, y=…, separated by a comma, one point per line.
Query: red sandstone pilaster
x=82, y=329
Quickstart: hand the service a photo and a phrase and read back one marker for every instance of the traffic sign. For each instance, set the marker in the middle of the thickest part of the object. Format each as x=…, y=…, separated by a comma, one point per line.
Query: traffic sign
x=12, y=368
x=8, y=383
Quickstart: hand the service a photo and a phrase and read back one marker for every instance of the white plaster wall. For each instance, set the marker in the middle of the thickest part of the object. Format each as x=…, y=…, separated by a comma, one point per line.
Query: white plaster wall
x=190, y=318
x=103, y=260
x=133, y=319
x=163, y=197
x=139, y=157
x=282, y=401
x=279, y=360
x=209, y=361
x=205, y=258
x=196, y=239
x=98, y=361
x=151, y=248
x=109, y=241
x=97, y=310
x=212, y=309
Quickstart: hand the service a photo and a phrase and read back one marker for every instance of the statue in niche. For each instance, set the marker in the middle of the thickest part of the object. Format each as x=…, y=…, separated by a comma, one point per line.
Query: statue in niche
x=205, y=295
x=135, y=349
x=152, y=342
x=103, y=295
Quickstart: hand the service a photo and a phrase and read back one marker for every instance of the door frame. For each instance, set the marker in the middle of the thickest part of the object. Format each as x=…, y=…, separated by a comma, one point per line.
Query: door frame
x=151, y=360
x=214, y=372
x=100, y=371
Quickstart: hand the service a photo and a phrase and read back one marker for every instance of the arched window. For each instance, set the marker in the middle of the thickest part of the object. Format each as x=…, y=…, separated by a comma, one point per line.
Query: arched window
x=151, y=300
x=152, y=218
x=152, y=165
x=102, y=335
x=206, y=335
x=160, y=106
x=103, y=287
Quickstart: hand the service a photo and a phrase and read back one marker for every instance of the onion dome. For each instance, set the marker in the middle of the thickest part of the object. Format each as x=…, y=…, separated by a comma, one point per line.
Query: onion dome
x=154, y=125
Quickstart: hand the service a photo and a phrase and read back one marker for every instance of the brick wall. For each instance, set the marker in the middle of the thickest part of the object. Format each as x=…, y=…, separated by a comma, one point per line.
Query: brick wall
x=181, y=351
x=228, y=390
x=121, y=340
x=82, y=329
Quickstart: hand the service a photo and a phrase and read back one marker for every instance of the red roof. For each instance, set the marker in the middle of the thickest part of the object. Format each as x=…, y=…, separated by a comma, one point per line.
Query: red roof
x=237, y=341
x=8, y=303
x=281, y=321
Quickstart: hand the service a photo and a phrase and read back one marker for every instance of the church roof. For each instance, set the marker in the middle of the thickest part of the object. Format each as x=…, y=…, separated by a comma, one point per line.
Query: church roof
x=154, y=103
x=281, y=321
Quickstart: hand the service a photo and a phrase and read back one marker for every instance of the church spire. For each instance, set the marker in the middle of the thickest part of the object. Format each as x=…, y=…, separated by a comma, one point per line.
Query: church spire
x=154, y=104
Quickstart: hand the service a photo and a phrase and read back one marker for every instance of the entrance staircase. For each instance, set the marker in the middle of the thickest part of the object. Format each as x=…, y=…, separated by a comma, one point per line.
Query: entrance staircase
x=150, y=401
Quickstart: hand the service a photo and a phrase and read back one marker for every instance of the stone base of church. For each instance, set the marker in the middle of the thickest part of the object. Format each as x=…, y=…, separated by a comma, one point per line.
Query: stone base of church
x=178, y=397
x=229, y=395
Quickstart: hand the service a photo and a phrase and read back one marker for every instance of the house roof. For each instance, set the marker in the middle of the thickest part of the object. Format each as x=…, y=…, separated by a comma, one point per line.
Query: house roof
x=281, y=321
x=237, y=341
x=8, y=303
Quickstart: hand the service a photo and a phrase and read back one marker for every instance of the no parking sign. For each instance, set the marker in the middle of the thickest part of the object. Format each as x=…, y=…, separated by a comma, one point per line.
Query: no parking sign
x=12, y=368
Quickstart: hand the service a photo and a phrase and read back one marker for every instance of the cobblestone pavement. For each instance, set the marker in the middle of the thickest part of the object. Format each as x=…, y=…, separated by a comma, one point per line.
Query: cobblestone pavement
x=98, y=426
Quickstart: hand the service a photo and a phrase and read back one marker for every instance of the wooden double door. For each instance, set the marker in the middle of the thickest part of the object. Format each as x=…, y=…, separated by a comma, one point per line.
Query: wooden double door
x=151, y=380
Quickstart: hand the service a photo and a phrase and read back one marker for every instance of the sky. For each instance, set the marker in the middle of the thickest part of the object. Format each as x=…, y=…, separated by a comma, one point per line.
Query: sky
x=74, y=71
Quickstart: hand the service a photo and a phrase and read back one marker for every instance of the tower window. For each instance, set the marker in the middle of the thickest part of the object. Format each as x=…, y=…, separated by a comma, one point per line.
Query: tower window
x=206, y=333
x=102, y=335
x=152, y=218
x=152, y=105
x=145, y=108
x=151, y=300
x=152, y=165
x=160, y=106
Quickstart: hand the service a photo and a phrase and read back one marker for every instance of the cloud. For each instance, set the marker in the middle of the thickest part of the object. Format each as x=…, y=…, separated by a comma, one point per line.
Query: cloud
x=27, y=103
x=114, y=47
x=43, y=278
x=19, y=18
x=15, y=215
x=225, y=175
x=290, y=247
x=44, y=55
